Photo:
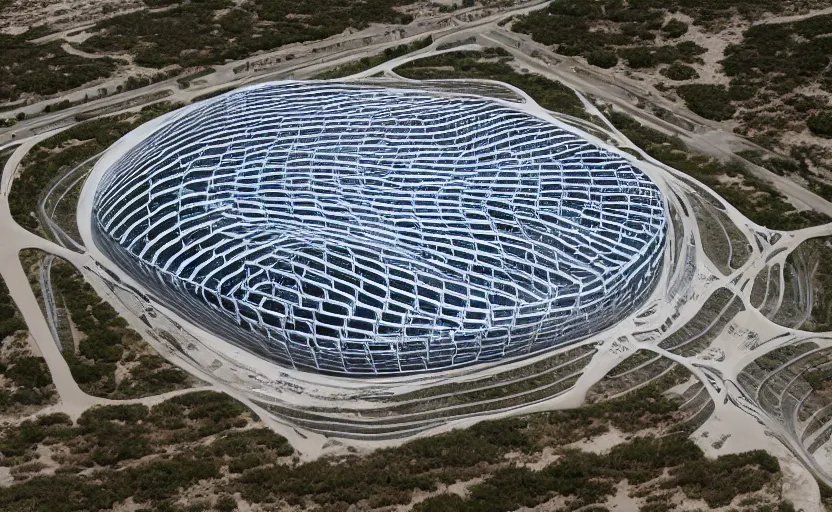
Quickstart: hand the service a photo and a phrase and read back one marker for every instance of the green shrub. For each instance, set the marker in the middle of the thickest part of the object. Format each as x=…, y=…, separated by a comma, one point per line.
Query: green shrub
x=689, y=49
x=108, y=342
x=225, y=503
x=675, y=28
x=680, y=72
x=29, y=372
x=210, y=412
x=28, y=396
x=718, y=481
x=10, y=320
x=741, y=93
x=591, y=478
x=821, y=124
x=819, y=379
x=7, y=309
x=709, y=101
x=441, y=503
x=577, y=27
x=132, y=413
x=383, y=478
x=638, y=58
x=237, y=444
x=10, y=326
x=651, y=56
x=602, y=58
x=57, y=418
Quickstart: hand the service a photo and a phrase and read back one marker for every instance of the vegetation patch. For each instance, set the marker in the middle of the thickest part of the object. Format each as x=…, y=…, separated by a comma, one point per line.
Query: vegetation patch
x=148, y=453
x=5, y=155
x=105, y=356
x=576, y=27
x=177, y=35
x=111, y=436
x=631, y=30
x=203, y=33
x=675, y=28
x=156, y=454
x=602, y=58
x=25, y=381
x=782, y=56
x=640, y=57
x=811, y=263
x=773, y=78
x=589, y=478
x=825, y=495
x=781, y=64
x=109, y=344
x=44, y=69
x=680, y=72
x=796, y=166
x=709, y=101
x=581, y=478
x=821, y=123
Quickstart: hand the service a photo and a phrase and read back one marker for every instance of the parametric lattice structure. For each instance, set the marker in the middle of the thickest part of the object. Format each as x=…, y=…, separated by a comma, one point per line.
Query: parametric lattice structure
x=359, y=230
